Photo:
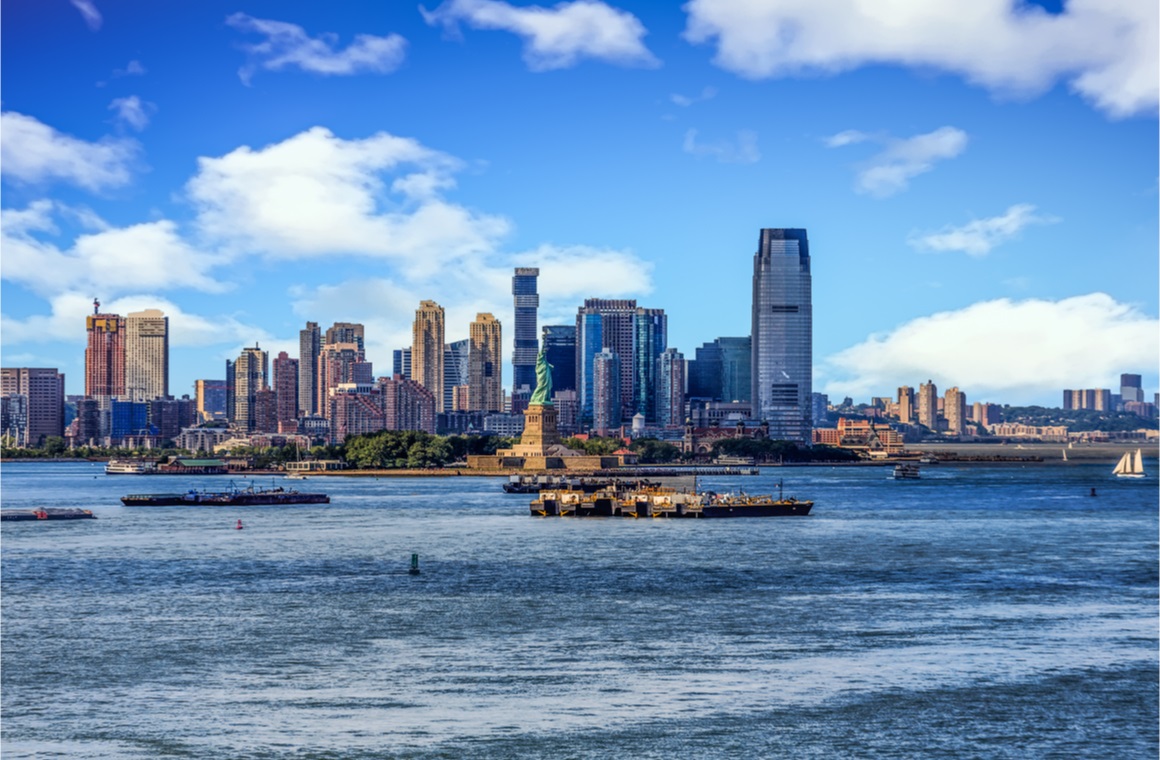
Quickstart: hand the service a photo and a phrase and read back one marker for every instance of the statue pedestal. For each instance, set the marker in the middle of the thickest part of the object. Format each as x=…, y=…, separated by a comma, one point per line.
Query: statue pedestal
x=539, y=431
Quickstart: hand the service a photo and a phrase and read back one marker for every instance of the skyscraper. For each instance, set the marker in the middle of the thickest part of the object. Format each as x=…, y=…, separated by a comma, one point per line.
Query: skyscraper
x=286, y=378
x=211, y=398
x=650, y=330
x=105, y=355
x=340, y=364
x=456, y=369
x=604, y=323
x=401, y=363
x=427, y=350
x=955, y=410
x=782, y=347
x=485, y=377
x=607, y=406
x=40, y=394
x=670, y=388
x=309, y=344
x=347, y=332
x=906, y=405
x=722, y=370
x=559, y=343
x=928, y=405
x=251, y=374
x=525, y=345
x=1131, y=388
x=146, y=355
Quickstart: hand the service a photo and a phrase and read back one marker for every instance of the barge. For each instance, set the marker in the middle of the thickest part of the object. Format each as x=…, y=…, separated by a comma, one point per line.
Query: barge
x=234, y=497
x=663, y=502
x=47, y=513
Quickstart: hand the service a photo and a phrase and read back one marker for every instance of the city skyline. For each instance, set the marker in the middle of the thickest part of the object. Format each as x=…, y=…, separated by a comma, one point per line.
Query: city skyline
x=986, y=221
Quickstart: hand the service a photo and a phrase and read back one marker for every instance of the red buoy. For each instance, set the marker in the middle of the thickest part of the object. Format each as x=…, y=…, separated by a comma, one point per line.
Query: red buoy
x=239, y=525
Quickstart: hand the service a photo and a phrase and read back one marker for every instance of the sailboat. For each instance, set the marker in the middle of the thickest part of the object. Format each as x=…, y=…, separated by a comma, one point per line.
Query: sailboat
x=1130, y=466
x=1064, y=454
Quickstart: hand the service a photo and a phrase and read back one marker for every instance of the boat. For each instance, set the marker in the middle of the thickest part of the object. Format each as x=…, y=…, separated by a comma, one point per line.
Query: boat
x=1064, y=451
x=130, y=467
x=538, y=483
x=47, y=513
x=905, y=471
x=744, y=505
x=234, y=497
x=655, y=501
x=1130, y=466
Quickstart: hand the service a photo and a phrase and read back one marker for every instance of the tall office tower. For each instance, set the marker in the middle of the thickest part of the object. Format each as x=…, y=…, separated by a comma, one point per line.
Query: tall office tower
x=1131, y=388
x=266, y=411
x=251, y=374
x=955, y=410
x=346, y=332
x=906, y=405
x=782, y=349
x=559, y=343
x=604, y=323
x=721, y=370
x=309, y=345
x=210, y=396
x=231, y=386
x=427, y=350
x=340, y=364
x=286, y=378
x=485, y=376
x=401, y=362
x=105, y=355
x=671, y=388
x=146, y=355
x=650, y=335
x=42, y=404
x=821, y=410
x=928, y=405
x=525, y=345
x=606, y=397
x=456, y=370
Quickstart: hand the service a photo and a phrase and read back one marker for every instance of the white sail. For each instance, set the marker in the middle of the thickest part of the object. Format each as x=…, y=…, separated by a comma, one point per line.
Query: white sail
x=1138, y=463
x=1129, y=466
x=1124, y=466
x=1064, y=454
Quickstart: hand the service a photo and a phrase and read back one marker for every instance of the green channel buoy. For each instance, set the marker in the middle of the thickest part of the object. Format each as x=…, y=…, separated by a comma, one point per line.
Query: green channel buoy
x=414, y=564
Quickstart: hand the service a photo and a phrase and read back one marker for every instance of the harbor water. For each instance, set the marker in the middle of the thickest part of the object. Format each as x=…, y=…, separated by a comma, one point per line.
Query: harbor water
x=996, y=611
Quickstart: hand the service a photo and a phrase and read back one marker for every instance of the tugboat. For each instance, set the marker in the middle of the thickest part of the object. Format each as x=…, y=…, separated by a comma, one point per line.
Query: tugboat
x=234, y=497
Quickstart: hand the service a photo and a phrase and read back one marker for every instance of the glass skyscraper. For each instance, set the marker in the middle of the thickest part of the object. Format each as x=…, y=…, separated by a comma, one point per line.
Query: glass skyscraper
x=525, y=345
x=650, y=329
x=782, y=363
x=721, y=370
x=560, y=350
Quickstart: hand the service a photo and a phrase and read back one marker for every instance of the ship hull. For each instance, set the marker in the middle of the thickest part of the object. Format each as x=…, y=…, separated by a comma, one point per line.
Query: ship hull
x=238, y=499
x=758, y=509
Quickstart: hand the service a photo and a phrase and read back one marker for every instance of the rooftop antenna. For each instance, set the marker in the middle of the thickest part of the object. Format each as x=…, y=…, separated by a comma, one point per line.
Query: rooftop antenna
x=96, y=306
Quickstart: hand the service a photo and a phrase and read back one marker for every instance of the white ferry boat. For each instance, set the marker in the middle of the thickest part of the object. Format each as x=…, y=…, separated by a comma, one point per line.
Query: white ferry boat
x=130, y=467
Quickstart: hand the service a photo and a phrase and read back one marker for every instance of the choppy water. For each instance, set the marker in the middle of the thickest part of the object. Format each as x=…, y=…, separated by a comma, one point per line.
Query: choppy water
x=979, y=612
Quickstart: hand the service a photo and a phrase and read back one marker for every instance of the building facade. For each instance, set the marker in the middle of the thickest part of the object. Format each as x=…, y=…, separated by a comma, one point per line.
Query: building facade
x=104, y=356
x=210, y=396
x=670, y=398
x=309, y=346
x=607, y=407
x=407, y=405
x=955, y=411
x=722, y=370
x=782, y=334
x=36, y=405
x=650, y=331
x=340, y=364
x=928, y=405
x=604, y=323
x=485, y=369
x=427, y=349
x=286, y=379
x=456, y=373
x=559, y=343
x=146, y=355
x=525, y=346
x=251, y=374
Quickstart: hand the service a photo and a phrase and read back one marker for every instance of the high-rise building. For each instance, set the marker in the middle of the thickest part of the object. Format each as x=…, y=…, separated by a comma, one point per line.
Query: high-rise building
x=650, y=331
x=407, y=405
x=604, y=323
x=286, y=378
x=250, y=374
x=346, y=332
x=670, y=388
x=606, y=406
x=955, y=410
x=928, y=405
x=340, y=364
x=525, y=347
x=427, y=350
x=906, y=405
x=456, y=370
x=1099, y=399
x=722, y=370
x=211, y=398
x=401, y=363
x=485, y=376
x=986, y=414
x=309, y=346
x=782, y=335
x=1131, y=389
x=104, y=355
x=821, y=409
x=559, y=342
x=40, y=403
x=146, y=355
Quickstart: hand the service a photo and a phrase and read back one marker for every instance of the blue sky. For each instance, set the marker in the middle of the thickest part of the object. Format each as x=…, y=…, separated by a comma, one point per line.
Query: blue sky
x=979, y=185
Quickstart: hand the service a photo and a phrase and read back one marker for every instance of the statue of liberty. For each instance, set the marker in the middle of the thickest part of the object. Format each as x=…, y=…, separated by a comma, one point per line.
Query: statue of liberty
x=543, y=393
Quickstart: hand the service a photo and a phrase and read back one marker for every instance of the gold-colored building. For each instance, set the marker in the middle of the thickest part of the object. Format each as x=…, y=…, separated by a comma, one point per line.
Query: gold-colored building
x=427, y=350
x=485, y=365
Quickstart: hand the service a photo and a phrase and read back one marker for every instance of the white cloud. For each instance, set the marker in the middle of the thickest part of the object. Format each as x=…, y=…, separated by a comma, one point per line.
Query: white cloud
x=1105, y=49
x=978, y=237
x=66, y=319
x=33, y=152
x=557, y=37
x=685, y=101
x=900, y=160
x=133, y=68
x=150, y=255
x=288, y=46
x=315, y=194
x=89, y=12
x=743, y=151
x=132, y=111
x=1003, y=350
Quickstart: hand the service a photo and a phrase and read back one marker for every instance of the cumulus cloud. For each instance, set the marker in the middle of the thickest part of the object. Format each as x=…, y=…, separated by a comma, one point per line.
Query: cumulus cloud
x=557, y=37
x=900, y=160
x=685, y=101
x=315, y=194
x=89, y=13
x=132, y=69
x=151, y=255
x=288, y=46
x=1011, y=351
x=1105, y=49
x=978, y=237
x=132, y=111
x=33, y=152
x=742, y=151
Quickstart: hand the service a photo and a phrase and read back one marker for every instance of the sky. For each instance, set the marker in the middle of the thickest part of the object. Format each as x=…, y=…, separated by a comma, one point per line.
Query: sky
x=979, y=181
